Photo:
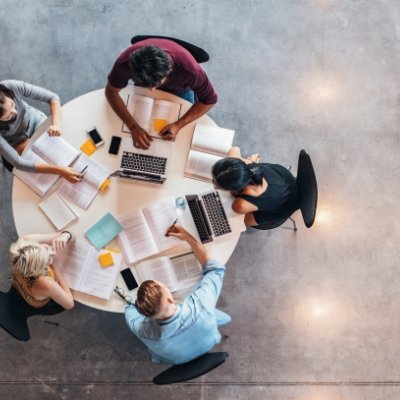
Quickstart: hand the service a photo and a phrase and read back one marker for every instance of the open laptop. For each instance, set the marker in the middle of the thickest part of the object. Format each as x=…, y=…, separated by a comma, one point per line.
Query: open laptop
x=211, y=216
x=144, y=165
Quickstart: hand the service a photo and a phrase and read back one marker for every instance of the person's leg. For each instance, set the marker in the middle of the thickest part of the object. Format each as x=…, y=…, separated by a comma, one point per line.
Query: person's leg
x=188, y=96
x=20, y=147
x=36, y=118
x=222, y=318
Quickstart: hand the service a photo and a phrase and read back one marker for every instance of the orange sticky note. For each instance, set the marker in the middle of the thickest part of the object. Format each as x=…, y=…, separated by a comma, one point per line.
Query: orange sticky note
x=159, y=124
x=88, y=147
x=105, y=184
x=106, y=260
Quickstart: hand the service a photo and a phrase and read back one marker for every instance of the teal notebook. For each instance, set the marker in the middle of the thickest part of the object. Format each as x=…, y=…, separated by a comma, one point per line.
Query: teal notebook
x=103, y=231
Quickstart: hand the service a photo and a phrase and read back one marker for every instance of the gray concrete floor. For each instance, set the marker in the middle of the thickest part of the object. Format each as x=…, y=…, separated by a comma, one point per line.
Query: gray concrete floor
x=315, y=313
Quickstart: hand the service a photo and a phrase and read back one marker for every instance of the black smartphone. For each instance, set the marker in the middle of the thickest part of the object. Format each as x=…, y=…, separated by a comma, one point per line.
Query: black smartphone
x=95, y=136
x=114, y=145
x=129, y=279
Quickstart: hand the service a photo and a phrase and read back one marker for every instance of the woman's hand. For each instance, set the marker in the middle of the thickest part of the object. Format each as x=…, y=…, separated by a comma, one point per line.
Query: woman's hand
x=54, y=130
x=71, y=175
x=255, y=158
x=179, y=232
x=61, y=241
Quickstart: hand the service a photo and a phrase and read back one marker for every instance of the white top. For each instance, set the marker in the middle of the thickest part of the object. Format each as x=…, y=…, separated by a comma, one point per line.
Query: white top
x=122, y=195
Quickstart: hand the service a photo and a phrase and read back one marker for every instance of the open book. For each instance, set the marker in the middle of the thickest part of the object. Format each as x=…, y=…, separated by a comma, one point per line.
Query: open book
x=80, y=266
x=152, y=115
x=144, y=231
x=83, y=193
x=209, y=144
x=177, y=273
x=47, y=150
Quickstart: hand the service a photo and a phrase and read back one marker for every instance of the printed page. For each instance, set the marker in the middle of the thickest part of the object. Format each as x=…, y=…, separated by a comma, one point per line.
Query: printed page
x=140, y=108
x=158, y=269
x=58, y=211
x=39, y=183
x=160, y=217
x=136, y=240
x=199, y=164
x=99, y=281
x=72, y=263
x=212, y=139
x=164, y=113
x=187, y=269
x=83, y=193
x=55, y=150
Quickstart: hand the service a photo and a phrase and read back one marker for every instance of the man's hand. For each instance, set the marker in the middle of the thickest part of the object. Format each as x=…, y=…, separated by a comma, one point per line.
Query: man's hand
x=140, y=138
x=179, y=232
x=170, y=131
x=54, y=130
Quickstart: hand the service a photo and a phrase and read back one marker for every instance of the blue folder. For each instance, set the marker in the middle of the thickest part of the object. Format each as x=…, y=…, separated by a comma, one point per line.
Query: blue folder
x=103, y=231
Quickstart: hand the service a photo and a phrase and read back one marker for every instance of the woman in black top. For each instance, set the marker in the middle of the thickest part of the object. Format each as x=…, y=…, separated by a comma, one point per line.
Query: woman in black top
x=266, y=193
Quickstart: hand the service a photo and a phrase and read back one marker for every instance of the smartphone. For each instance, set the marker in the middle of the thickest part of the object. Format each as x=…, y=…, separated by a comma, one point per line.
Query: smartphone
x=129, y=279
x=95, y=136
x=114, y=145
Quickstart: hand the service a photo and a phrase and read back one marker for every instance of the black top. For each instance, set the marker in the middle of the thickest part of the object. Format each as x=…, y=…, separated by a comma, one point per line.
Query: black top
x=280, y=199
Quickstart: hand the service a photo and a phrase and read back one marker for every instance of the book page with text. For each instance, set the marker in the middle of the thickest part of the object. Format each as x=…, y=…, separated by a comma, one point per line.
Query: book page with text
x=83, y=193
x=99, y=281
x=212, y=139
x=187, y=269
x=140, y=108
x=55, y=150
x=38, y=182
x=160, y=217
x=164, y=113
x=199, y=165
x=158, y=269
x=136, y=240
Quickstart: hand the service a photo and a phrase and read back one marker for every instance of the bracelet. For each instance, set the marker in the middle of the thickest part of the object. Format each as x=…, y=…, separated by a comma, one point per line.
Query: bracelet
x=69, y=233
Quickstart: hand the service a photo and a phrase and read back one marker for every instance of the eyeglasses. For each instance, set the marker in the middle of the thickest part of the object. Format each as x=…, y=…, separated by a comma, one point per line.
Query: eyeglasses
x=121, y=293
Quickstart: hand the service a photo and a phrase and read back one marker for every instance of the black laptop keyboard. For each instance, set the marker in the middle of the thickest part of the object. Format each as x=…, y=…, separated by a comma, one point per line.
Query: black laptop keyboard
x=199, y=218
x=143, y=162
x=216, y=214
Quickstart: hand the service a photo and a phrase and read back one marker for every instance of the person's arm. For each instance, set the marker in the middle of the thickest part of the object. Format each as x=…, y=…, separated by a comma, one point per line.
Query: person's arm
x=198, y=249
x=58, y=240
x=57, y=291
x=196, y=111
x=241, y=206
x=235, y=152
x=55, y=111
x=133, y=318
x=67, y=173
x=140, y=137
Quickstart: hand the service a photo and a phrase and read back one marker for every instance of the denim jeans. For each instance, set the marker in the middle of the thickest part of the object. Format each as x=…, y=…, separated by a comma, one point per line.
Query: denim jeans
x=188, y=95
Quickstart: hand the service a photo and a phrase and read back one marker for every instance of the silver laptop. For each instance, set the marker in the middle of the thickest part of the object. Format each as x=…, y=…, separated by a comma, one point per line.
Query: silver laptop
x=212, y=216
x=144, y=165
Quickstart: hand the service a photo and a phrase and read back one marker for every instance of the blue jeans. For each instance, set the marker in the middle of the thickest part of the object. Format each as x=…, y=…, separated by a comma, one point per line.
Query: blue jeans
x=188, y=96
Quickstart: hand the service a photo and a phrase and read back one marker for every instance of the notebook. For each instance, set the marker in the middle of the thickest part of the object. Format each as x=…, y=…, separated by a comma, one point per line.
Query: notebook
x=103, y=231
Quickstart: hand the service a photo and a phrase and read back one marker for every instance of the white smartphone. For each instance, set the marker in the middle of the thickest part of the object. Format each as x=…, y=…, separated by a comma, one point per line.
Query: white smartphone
x=95, y=136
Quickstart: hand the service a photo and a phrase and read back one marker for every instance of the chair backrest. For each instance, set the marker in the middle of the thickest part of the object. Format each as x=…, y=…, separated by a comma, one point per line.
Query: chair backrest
x=14, y=312
x=307, y=188
x=191, y=369
x=198, y=53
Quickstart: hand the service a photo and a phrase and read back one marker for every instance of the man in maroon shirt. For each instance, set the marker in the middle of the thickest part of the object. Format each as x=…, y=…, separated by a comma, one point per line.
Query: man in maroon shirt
x=165, y=65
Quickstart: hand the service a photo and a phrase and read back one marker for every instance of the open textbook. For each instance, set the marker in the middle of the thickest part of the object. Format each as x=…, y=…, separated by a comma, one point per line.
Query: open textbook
x=80, y=266
x=152, y=115
x=47, y=150
x=83, y=193
x=144, y=231
x=177, y=273
x=209, y=144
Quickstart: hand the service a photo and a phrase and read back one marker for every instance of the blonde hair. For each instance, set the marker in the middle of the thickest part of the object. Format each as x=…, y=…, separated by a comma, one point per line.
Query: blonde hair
x=148, y=299
x=28, y=258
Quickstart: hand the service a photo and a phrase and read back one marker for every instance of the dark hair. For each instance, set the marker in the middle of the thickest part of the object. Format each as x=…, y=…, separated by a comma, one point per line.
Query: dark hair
x=149, y=66
x=148, y=298
x=231, y=173
x=4, y=93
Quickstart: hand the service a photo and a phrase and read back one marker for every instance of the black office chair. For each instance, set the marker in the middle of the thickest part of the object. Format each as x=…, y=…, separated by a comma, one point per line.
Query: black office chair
x=192, y=369
x=200, y=55
x=307, y=191
x=6, y=164
x=14, y=312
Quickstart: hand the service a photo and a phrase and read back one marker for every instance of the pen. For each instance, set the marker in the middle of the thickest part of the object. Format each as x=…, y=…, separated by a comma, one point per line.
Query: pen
x=84, y=169
x=166, y=234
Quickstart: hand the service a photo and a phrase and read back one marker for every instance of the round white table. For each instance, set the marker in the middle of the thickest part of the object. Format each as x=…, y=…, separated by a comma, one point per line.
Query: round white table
x=122, y=195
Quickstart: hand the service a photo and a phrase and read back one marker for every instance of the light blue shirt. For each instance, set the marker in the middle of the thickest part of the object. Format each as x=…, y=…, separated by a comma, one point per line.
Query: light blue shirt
x=192, y=331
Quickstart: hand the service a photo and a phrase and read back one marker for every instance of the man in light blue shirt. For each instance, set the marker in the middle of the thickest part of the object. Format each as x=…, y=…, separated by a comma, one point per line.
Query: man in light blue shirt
x=178, y=333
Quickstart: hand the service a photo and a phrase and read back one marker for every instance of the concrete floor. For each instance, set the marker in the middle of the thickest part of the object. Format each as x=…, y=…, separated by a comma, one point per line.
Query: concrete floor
x=315, y=313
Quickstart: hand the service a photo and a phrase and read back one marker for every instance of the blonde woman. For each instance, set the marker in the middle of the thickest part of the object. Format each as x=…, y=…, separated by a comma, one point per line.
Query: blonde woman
x=33, y=272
